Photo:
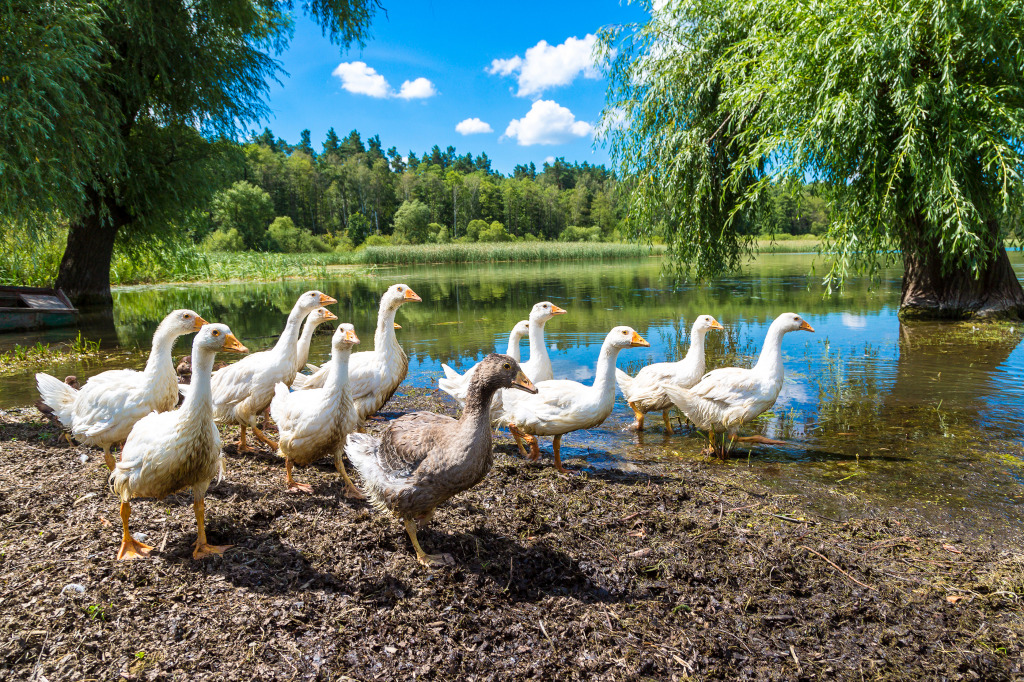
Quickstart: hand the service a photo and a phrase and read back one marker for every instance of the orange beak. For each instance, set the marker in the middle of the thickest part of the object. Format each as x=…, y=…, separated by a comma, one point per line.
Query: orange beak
x=806, y=327
x=638, y=341
x=199, y=323
x=231, y=343
x=523, y=383
x=555, y=310
x=350, y=337
x=715, y=324
x=397, y=326
x=411, y=295
x=328, y=315
x=327, y=300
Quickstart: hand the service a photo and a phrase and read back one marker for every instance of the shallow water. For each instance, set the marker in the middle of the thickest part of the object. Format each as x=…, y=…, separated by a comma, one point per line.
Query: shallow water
x=922, y=417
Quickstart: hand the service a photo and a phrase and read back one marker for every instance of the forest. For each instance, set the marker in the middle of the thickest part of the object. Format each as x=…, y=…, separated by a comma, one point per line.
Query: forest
x=293, y=198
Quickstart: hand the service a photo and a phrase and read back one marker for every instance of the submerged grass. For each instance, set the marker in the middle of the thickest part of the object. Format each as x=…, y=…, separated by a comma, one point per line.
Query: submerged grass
x=21, y=358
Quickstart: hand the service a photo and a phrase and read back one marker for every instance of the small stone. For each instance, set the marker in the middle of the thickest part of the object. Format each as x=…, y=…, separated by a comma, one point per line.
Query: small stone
x=142, y=537
x=73, y=589
x=83, y=458
x=83, y=498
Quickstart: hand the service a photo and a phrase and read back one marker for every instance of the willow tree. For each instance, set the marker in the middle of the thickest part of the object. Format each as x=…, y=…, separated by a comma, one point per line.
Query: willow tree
x=149, y=87
x=910, y=111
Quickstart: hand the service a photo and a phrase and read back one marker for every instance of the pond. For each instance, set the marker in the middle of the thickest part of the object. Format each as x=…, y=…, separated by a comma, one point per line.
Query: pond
x=924, y=417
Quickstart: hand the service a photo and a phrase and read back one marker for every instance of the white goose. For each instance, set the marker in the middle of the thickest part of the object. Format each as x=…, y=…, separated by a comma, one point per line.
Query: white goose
x=645, y=392
x=456, y=385
x=562, y=406
x=727, y=398
x=170, y=451
x=314, y=423
x=373, y=376
x=315, y=319
x=537, y=368
x=104, y=411
x=243, y=390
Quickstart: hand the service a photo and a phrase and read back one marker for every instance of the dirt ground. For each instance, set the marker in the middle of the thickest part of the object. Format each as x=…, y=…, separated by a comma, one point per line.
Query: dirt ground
x=665, y=573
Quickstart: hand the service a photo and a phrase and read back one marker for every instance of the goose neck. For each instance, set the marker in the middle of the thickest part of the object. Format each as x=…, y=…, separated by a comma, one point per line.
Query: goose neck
x=770, y=360
x=604, y=379
x=538, y=349
x=384, y=338
x=337, y=379
x=199, y=400
x=696, y=350
x=160, y=354
x=290, y=335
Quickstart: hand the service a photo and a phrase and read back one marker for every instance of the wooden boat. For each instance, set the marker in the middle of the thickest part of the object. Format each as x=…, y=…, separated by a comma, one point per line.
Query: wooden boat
x=34, y=308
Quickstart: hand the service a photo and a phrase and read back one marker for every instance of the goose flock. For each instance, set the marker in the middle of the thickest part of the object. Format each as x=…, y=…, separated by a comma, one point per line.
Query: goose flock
x=419, y=460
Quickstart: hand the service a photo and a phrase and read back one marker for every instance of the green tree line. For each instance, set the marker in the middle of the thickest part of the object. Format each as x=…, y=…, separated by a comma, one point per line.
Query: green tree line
x=293, y=197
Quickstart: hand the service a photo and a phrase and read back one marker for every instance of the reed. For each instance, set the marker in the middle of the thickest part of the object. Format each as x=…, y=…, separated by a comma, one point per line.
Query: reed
x=500, y=252
x=41, y=354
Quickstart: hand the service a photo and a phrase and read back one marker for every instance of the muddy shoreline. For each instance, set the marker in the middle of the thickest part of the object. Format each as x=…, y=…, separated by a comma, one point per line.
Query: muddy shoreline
x=665, y=572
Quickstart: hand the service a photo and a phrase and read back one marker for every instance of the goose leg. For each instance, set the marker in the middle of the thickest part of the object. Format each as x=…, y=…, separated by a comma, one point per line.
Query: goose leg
x=518, y=435
x=351, y=491
x=668, y=421
x=262, y=437
x=202, y=548
x=428, y=560
x=557, y=447
x=109, y=458
x=130, y=547
x=639, y=423
x=293, y=485
x=242, y=445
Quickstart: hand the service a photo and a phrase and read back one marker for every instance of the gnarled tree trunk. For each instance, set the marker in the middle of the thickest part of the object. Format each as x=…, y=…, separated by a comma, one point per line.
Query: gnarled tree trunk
x=928, y=292
x=84, y=272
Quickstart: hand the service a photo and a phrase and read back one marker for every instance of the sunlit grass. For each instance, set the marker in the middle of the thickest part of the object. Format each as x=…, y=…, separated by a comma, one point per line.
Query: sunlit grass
x=501, y=252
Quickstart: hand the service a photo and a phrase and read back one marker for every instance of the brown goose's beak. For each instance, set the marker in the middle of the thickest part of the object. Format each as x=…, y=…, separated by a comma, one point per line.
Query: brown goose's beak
x=411, y=295
x=523, y=383
x=199, y=324
x=350, y=337
x=231, y=343
x=804, y=327
x=555, y=310
x=397, y=326
x=327, y=300
x=715, y=324
x=638, y=341
x=328, y=315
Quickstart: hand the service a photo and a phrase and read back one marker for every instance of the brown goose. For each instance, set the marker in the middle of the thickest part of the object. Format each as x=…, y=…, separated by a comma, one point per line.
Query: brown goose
x=423, y=459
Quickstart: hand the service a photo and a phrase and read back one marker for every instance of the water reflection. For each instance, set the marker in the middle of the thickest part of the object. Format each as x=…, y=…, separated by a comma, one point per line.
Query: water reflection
x=905, y=414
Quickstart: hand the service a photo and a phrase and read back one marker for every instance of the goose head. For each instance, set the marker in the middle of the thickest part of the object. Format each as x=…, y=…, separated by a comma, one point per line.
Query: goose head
x=544, y=311
x=218, y=337
x=311, y=300
x=320, y=315
x=399, y=294
x=522, y=329
x=704, y=324
x=791, y=322
x=182, y=322
x=625, y=337
x=501, y=371
x=344, y=337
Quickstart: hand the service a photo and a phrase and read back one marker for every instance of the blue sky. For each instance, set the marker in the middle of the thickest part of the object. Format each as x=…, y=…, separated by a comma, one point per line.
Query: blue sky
x=429, y=66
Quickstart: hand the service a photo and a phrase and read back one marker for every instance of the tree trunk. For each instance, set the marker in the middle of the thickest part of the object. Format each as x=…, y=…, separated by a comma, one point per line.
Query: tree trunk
x=84, y=272
x=928, y=292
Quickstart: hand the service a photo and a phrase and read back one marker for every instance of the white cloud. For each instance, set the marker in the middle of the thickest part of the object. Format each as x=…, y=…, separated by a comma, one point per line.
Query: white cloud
x=421, y=88
x=549, y=159
x=547, y=66
x=472, y=126
x=362, y=79
x=547, y=122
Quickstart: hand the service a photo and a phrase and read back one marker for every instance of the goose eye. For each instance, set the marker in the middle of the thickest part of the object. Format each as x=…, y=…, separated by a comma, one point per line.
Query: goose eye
x=623, y=331
x=506, y=366
x=216, y=333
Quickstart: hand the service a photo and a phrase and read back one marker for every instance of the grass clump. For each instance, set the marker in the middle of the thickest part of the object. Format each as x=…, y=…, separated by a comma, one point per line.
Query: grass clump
x=500, y=252
x=20, y=357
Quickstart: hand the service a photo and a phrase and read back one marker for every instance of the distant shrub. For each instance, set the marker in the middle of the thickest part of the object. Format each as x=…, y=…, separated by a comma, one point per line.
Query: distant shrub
x=473, y=230
x=411, y=221
x=574, y=233
x=285, y=237
x=377, y=240
x=224, y=240
x=494, y=233
x=437, y=234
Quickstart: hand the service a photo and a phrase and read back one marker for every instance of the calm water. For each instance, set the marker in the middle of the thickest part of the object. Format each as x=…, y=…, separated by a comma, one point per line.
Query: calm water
x=916, y=416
